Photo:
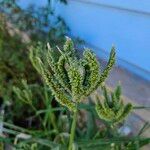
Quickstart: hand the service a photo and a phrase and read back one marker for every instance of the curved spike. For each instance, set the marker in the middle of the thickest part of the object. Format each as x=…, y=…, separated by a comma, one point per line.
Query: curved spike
x=91, y=67
x=104, y=114
x=58, y=69
x=118, y=112
x=106, y=96
x=109, y=66
x=62, y=73
x=69, y=50
x=50, y=59
x=69, y=46
x=76, y=81
x=105, y=73
x=125, y=113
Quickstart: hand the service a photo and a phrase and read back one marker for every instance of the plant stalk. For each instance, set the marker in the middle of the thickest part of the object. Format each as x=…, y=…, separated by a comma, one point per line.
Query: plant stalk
x=73, y=127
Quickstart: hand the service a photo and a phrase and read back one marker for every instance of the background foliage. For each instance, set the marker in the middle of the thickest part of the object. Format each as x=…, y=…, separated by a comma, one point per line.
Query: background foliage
x=19, y=28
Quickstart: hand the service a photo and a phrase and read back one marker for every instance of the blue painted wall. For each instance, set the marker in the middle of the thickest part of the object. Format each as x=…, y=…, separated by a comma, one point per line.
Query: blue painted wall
x=103, y=23
x=125, y=24
x=25, y=3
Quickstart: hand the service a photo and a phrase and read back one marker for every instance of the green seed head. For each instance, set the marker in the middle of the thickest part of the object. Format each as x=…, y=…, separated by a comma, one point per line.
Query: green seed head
x=112, y=109
x=70, y=78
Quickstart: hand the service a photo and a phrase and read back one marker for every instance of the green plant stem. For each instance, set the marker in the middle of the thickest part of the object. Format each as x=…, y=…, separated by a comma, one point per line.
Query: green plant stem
x=73, y=127
x=49, y=116
x=111, y=129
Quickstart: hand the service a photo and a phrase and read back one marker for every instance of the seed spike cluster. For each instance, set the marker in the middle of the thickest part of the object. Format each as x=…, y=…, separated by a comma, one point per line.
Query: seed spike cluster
x=112, y=109
x=70, y=78
x=24, y=93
